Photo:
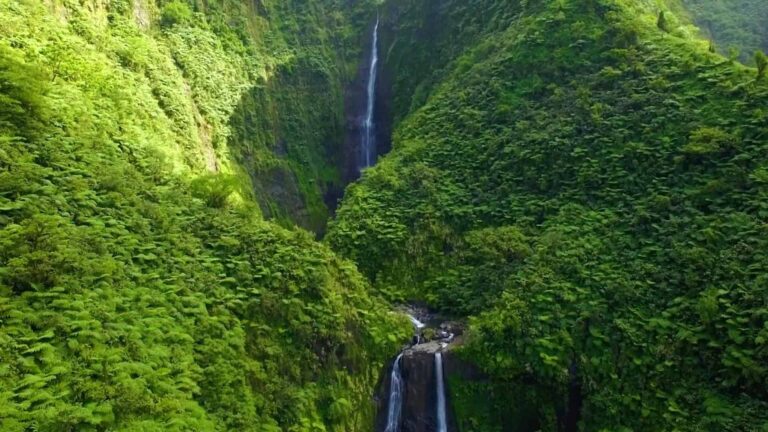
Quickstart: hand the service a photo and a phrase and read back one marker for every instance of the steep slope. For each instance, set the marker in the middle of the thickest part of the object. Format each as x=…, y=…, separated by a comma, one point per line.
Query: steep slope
x=251, y=88
x=591, y=189
x=136, y=292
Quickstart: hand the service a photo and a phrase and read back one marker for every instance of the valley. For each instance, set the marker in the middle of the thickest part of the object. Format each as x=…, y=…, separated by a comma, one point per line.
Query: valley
x=389, y=216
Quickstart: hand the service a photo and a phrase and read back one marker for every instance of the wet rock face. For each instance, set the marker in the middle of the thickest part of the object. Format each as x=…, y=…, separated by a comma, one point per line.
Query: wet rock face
x=420, y=398
x=355, y=101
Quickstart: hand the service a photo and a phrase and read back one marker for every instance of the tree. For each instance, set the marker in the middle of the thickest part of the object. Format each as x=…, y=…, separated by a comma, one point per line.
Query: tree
x=712, y=47
x=175, y=12
x=22, y=90
x=762, y=62
x=214, y=189
x=662, y=22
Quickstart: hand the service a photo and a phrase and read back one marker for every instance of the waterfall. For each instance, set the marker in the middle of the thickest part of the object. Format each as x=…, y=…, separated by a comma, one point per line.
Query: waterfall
x=442, y=425
x=395, y=397
x=368, y=145
x=416, y=399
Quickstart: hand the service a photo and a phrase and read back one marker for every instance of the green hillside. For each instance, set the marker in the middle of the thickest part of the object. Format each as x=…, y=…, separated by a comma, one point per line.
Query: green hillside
x=583, y=184
x=588, y=184
x=253, y=89
x=140, y=289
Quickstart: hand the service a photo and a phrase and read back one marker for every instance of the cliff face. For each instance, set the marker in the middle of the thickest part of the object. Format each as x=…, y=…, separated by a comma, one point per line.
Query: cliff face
x=420, y=395
x=288, y=131
x=251, y=89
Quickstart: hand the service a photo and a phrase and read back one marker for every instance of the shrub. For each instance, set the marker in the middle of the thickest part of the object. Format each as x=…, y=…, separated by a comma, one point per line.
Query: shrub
x=761, y=61
x=214, y=189
x=175, y=12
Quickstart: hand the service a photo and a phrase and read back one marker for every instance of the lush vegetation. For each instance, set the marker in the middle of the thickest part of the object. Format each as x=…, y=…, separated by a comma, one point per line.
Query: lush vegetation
x=136, y=292
x=587, y=181
x=250, y=88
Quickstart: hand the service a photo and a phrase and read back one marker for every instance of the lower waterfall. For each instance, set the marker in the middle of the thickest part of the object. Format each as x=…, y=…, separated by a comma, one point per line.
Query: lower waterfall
x=416, y=398
x=442, y=424
x=395, y=397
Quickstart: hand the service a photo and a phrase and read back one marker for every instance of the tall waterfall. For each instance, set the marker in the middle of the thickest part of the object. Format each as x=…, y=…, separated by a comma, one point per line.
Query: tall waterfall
x=442, y=424
x=395, y=397
x=368, y=142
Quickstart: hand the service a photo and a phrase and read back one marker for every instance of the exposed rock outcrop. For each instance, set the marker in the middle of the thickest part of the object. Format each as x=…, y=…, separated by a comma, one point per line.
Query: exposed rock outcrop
x=420, y=397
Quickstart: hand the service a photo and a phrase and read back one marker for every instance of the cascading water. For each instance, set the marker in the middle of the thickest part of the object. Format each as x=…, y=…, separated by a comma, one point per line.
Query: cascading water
x=417, y=401
x=416, y=323
x=395, y=397
x=368, y=141
x=442, y=424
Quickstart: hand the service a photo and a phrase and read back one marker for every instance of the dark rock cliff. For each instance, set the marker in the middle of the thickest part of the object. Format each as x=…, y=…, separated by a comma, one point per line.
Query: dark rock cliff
x=420, y=398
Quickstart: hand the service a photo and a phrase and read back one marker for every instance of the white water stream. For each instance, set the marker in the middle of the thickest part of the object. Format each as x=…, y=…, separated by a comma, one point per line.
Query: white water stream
x=368, y=144
x=442, y=424
x=395, y=397
x=416, y=323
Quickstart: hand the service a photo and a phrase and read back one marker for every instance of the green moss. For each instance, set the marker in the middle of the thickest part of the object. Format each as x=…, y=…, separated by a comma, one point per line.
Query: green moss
x=488, y=406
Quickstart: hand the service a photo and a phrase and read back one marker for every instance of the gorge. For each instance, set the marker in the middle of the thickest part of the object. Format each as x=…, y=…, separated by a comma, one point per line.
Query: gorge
x=212, y=213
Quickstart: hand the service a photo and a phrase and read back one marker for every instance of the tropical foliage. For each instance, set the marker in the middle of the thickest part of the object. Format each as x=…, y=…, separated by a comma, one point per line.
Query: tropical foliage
x=585, y=181
x=590, y=189
x=136, y=292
